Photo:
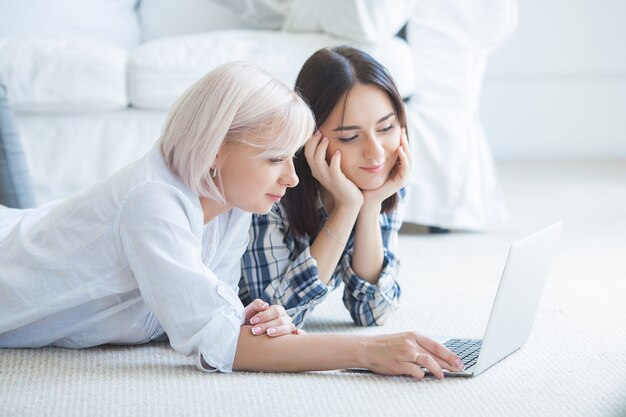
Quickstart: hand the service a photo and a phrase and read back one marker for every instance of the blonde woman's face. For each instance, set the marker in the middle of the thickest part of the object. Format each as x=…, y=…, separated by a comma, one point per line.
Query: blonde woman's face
x=367, y=133
x=251, y=183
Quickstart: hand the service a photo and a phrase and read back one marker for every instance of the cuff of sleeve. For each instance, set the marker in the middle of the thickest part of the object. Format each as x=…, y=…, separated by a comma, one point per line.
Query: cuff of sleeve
x=220, y=337
x=302, y=281
x=202, y=365
x=365, y=291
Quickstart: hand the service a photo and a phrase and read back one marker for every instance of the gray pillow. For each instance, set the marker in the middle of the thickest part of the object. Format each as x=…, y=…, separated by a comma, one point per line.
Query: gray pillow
x=16, y=189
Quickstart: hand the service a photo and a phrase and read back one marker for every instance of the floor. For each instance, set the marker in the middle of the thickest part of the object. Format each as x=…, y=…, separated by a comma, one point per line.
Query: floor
x=573, y=364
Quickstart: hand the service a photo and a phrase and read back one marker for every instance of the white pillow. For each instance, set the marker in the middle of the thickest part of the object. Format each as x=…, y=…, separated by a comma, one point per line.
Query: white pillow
x=110, y=21
x=260, y=14
x=370, y=21
x=163, y=18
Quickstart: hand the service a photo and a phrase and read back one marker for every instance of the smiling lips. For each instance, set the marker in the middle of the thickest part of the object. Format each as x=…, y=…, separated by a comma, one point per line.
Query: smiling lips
x=373, y=169
x=275, y=197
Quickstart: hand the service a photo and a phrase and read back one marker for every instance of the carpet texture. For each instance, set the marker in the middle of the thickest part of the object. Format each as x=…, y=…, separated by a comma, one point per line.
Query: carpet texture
x=573, y=365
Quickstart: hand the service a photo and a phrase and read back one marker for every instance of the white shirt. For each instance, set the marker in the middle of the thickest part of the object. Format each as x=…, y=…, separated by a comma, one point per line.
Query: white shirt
x=121, y=263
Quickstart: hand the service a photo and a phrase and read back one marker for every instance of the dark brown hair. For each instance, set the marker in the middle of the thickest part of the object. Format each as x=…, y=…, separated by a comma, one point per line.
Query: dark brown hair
x=323, y=80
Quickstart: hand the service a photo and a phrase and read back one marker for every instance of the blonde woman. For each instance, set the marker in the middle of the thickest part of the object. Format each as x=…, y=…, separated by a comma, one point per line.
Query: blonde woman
x=155, y=249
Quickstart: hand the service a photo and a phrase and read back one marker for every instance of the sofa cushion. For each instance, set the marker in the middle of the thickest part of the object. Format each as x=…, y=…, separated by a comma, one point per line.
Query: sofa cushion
x=61, y=75
x=160, y=70
x=68, y=153
x=110, y=21
x=16, y=189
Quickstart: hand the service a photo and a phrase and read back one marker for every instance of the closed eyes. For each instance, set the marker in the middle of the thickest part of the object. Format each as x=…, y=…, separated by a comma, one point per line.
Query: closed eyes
x=351, y=138
x=280, y=159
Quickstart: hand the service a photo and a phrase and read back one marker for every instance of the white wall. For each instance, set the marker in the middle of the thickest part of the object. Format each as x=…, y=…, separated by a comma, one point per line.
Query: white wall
x=557, y=88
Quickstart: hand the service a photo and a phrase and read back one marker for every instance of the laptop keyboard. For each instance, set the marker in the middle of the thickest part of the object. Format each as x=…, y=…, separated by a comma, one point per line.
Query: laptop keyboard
x=466, y=349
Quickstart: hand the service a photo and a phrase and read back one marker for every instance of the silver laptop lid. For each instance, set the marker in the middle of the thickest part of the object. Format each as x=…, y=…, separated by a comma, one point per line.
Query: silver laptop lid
x=518, y=297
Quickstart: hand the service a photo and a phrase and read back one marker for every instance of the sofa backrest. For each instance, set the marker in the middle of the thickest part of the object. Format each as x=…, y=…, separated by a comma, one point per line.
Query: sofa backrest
x=114, y=22
x=164, y=18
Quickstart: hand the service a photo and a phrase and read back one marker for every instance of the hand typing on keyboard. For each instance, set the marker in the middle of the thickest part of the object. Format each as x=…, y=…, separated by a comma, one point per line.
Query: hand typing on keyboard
x=410, y=354
x=466, y=349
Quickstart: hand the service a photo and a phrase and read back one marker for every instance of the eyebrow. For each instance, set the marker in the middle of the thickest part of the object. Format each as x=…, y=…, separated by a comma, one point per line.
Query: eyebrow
x=382, y=119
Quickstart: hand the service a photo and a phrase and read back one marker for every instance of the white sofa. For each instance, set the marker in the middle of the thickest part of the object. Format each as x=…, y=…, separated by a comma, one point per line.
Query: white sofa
x=91, y=82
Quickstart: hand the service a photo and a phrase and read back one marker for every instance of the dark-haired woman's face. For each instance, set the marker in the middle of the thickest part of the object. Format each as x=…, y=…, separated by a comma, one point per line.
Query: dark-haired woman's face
x=367, y=134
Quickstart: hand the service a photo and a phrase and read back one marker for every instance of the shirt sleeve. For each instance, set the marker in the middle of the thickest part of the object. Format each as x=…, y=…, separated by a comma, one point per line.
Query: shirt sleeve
x=201, y=314
x=369, y=304
x=274, y=271
x=232, y=246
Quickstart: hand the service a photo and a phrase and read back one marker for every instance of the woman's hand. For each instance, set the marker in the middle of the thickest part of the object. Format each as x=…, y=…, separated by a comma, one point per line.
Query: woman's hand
x=398, y=176
x=407, y=353
x=272, y=320
x=344, y=191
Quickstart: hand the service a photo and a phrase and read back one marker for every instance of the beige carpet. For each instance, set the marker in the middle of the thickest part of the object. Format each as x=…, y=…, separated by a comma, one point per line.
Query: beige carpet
x=573, y=365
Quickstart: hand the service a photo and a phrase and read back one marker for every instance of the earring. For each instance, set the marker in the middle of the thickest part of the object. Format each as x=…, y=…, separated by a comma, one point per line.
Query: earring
x=213, y=172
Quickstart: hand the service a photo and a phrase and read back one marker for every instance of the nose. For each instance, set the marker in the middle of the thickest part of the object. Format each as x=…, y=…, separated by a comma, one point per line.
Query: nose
x=288, y=177
x=374, y=149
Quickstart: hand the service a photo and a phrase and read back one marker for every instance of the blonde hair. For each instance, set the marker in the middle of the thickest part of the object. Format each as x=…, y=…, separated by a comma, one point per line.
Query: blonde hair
x=236, y=103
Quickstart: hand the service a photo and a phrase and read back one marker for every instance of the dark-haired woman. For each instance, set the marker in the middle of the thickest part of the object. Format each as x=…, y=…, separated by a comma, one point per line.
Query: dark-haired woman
x=341, y=223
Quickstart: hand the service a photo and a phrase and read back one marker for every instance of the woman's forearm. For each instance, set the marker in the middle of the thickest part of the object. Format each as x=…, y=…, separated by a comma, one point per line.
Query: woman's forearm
x=329, y=244
x=297, y=353
x=393, y=354
x=367, y=259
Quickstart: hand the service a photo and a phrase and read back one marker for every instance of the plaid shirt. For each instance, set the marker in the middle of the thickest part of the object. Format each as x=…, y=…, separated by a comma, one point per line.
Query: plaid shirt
x=278, y=268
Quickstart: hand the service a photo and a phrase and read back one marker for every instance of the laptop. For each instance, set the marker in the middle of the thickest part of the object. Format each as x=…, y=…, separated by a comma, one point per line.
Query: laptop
x=515, y=306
